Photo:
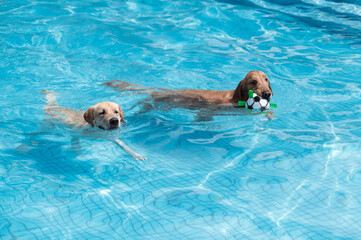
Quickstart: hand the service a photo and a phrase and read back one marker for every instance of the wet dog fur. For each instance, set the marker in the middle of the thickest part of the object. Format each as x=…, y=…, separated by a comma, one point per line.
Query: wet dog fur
x=206, y=101
x=103, y=115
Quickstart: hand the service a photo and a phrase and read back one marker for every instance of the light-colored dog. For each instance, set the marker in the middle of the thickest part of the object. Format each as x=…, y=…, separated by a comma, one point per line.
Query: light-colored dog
x=103, y=115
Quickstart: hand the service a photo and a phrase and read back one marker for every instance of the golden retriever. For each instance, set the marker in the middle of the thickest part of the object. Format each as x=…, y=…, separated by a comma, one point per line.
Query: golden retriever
x=103, y=115
x=193, y=98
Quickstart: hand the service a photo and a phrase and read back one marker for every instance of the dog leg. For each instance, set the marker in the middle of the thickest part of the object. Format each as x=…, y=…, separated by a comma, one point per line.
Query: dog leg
x=133, y=154
x=203, y=116
x=144, y=108
x=125, y=86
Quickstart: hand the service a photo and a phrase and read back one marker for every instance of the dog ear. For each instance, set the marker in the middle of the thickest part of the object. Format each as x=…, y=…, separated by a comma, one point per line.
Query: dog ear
x=121, y=114
x=241, y=92
x=269, y=84
x=89, y=116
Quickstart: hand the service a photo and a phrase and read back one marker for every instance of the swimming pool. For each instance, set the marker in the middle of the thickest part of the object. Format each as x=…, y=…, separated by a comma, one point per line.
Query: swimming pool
x=234, y=177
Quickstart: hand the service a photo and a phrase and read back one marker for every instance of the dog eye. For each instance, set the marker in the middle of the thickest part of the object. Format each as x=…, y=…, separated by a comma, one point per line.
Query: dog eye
x=102, y=112
x=267, y=79
x=254, y=82
x=116, y=111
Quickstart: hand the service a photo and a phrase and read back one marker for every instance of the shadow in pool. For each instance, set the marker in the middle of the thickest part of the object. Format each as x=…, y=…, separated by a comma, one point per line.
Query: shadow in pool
x=55, y=154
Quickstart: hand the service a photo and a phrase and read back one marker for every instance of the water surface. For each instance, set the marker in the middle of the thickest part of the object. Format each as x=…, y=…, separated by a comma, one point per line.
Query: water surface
x=237, y=176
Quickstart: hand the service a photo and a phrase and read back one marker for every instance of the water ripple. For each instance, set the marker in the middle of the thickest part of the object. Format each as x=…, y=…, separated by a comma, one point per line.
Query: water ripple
x=236, y=176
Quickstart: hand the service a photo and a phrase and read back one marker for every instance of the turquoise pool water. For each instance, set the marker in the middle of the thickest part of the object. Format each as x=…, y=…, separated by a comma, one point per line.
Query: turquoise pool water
x=236, y=176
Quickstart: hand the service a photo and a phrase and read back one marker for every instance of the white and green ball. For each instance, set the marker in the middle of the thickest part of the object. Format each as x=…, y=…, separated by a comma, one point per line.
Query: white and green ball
x=256, y=102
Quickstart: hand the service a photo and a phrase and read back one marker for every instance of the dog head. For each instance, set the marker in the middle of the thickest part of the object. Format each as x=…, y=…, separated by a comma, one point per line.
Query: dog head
x=256, y=81
x=104, y=115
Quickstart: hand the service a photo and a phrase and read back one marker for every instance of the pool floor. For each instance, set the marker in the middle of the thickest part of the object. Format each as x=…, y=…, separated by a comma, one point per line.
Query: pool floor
x=230, y=175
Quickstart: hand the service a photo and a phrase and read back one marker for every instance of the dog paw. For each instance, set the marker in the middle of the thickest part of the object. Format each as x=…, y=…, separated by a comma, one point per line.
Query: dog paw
x=140, y=157
x=270, y=115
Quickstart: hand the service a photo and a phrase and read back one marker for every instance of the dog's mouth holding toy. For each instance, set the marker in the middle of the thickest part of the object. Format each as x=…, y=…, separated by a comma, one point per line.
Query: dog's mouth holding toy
x=256, y=102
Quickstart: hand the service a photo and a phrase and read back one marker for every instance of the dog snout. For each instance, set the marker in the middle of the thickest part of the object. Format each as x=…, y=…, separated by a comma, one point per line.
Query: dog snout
x=266, y=94
x=114, y=122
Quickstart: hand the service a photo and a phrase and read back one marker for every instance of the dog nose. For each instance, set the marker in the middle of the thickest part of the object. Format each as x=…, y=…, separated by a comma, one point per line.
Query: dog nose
x=114, y=121
x=266, y=94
